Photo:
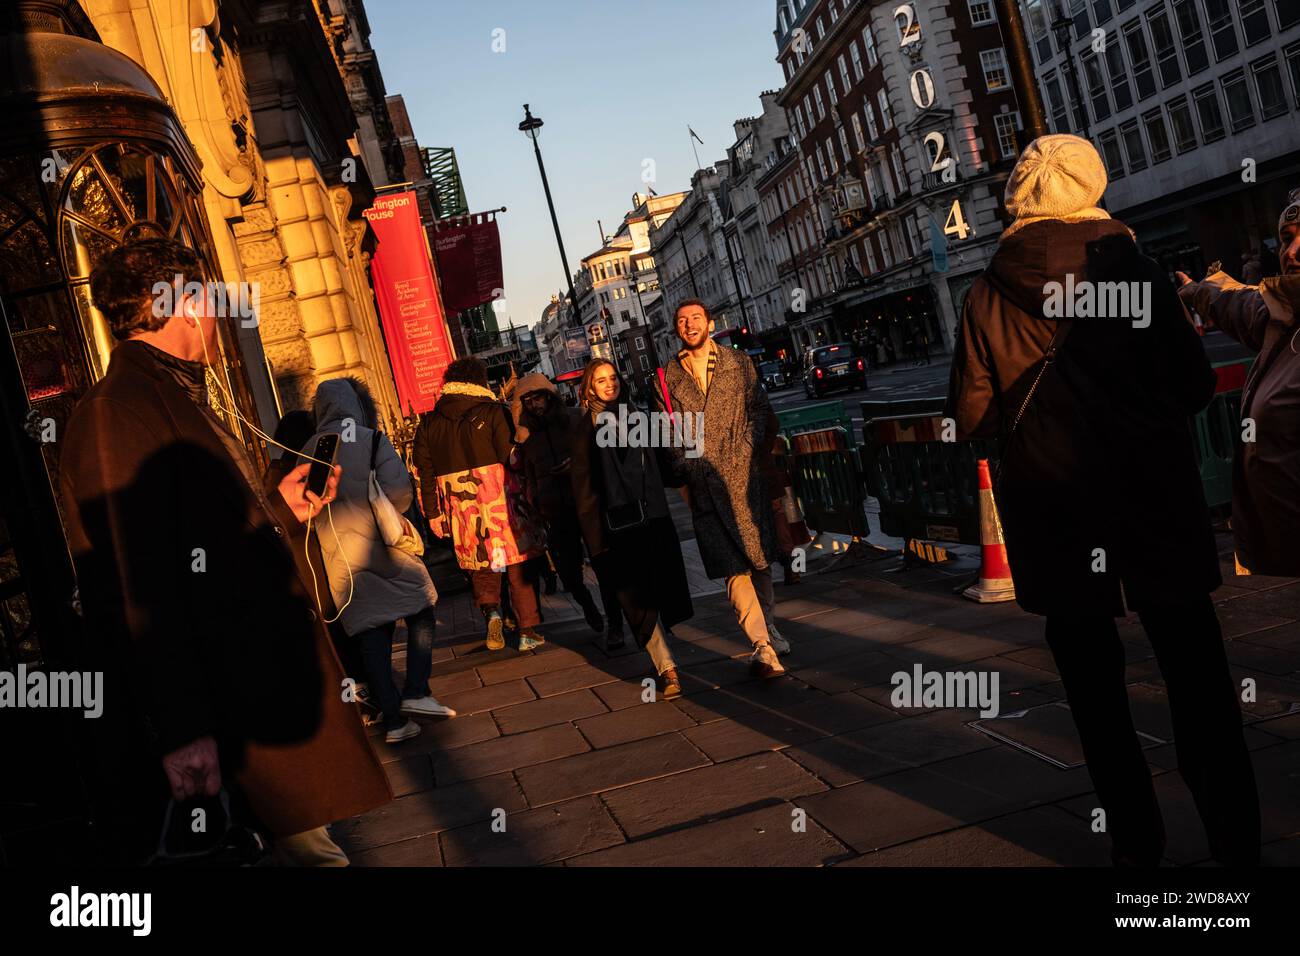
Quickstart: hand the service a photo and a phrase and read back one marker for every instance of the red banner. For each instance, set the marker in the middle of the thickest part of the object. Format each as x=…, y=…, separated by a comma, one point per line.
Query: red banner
x=407, y=290
x=468, y=251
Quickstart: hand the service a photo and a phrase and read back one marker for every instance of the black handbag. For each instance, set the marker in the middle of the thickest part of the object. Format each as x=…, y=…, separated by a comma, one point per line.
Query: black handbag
x=237, y=845
x=1049, y=357
x=625, y=517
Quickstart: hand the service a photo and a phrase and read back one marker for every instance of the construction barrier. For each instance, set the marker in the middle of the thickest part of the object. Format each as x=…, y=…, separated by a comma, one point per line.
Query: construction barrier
x=815, y=417
x=1216, y=430
x=827, y=481
x=927, y=488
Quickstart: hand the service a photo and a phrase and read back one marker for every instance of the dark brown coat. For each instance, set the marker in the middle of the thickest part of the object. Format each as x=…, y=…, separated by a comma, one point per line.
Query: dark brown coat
x=235, y=650
x=1102, y=464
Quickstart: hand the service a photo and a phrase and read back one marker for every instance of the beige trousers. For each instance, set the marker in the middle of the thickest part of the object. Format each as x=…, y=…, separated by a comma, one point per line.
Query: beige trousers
x=309, y=848
x=751, y=596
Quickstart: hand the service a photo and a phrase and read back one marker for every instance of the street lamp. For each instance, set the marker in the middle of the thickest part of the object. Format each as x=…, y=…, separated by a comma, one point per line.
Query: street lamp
x=531, y=127
x=1061, y=26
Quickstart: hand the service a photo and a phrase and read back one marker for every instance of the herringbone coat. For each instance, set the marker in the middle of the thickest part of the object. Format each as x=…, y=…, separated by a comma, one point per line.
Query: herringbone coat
x=729, y=500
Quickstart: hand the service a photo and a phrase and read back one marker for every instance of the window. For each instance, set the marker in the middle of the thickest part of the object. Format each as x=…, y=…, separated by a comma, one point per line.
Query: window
x=1292, y=54
x=639, y=341
x=1268, y=84
x=1180, y=117
x=1157, y=135
x=913, y=237
x=645, y=362
x=869, y=42
x=886, y=249
x=821, y=28
x=1082, y=27
x=1288, y=13
x=873, y=133
x=886, y=117
x=831, y=161
x=1241, y=109
x=812, y=175
x=821, y=164
x=1110, y=152
x=981, y=12
x=994, y=63
x=821, y=105
x=913, y=32
x=1056, y=103
x=1254, y=21
x=900, y=176
x=1006, y=124
x=807, y=108
x=1222, y=32
x=870, y=250
x=844, y=146
x=1096, y=83
x=1119, y=87
x=844, y=73
x=1141, y=60
x=1162, y=39
x=830, y=88
x=1207, y=108
x=856, y=57
x=1189, y=29
x=798, y=121
x=857, y=133
x=1101, y=10
x=1132, y=137
x=1038, y=28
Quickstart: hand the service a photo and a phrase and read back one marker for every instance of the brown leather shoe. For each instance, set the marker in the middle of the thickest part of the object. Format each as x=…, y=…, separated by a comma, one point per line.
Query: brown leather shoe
x=672, y=687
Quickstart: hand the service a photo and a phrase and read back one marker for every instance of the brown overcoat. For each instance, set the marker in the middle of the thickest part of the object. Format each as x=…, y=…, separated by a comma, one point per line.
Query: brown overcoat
x=198, y=612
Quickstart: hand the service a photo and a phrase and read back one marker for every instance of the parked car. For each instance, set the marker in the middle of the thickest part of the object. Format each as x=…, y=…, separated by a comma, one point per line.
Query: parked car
x=772, y=375
x=828, y=367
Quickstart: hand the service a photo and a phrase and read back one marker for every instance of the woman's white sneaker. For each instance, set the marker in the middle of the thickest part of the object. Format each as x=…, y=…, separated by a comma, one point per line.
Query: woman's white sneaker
x=405, y=732
x=426, y=707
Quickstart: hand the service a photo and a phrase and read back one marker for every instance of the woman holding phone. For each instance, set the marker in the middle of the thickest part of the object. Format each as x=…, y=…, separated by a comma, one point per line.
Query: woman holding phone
x=623, y=513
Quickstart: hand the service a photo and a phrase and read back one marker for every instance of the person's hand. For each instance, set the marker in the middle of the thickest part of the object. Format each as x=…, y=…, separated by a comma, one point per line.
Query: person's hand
x=1183, y=279
x=304, y=504
x=440, y=526
x=193, y=770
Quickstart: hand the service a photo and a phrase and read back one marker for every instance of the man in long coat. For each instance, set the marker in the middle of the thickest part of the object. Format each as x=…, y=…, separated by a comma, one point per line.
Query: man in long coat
x=727, y=491
x=219, y=673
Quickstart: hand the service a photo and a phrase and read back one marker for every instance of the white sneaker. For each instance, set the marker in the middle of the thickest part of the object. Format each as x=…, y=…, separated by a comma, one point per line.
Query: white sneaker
x=764, y=662
x=406, y=732
x=779, y=643
x=426, y=707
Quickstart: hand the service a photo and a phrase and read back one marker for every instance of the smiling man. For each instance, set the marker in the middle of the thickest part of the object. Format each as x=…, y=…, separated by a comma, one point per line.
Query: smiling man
x=726, y=488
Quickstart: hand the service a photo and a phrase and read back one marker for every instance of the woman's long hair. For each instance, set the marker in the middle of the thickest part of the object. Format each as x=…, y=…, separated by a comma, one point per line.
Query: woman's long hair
x=589, y=373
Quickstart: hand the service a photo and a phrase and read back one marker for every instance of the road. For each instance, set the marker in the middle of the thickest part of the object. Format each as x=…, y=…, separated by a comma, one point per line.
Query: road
x=903, y=380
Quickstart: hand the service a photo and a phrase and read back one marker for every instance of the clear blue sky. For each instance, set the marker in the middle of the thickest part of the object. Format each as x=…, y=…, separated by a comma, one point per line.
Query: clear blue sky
x=615, y=81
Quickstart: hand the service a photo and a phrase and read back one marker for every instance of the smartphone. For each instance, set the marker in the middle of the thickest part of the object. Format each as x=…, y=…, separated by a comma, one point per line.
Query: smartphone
x=327, y=449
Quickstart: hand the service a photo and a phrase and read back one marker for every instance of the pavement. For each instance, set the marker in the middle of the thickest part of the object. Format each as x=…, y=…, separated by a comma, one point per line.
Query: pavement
x=556, y=756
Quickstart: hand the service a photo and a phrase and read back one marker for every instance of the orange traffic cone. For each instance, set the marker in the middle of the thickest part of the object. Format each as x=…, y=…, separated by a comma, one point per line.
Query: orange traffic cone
x=995, y=582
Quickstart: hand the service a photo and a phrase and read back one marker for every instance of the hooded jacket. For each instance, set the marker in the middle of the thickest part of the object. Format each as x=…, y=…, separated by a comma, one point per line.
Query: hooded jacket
x=1265, y=471
x=462, y=453
x=384, y=584
x=544, y=447
x=1099, y=483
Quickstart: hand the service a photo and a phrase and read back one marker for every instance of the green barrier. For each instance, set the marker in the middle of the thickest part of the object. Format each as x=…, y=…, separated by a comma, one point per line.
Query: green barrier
x=1216, y=430
x=928, y=489
x=826, y=480
x=811, y=418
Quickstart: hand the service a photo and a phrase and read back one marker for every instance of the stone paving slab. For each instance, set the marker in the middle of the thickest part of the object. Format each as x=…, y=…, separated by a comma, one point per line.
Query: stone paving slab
x=816, y=768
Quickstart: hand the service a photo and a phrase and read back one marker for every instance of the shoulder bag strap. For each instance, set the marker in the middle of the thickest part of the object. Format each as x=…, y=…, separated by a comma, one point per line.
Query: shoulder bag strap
x=1049, y=357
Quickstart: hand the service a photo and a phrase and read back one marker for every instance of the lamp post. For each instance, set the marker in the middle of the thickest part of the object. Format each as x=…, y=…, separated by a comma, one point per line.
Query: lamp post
x=531, y=127
x=1061, y=25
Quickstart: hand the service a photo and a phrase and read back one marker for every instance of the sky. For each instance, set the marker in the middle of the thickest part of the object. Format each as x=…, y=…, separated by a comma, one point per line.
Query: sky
x=616, y=83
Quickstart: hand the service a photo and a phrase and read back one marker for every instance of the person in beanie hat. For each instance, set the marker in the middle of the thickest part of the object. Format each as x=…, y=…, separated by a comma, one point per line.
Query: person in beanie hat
x=1098, y=491
x=1266, y=470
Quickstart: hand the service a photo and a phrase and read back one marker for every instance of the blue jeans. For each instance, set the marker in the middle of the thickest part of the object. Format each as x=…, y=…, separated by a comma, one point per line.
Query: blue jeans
x=377, y=655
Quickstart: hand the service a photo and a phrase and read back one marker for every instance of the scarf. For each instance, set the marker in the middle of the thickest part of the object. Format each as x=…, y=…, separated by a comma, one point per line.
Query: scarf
x=468, y=388
x=1091, y=212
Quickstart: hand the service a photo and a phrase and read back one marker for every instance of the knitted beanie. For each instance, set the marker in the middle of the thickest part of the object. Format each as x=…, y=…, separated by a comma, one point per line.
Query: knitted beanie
x=1056, y=176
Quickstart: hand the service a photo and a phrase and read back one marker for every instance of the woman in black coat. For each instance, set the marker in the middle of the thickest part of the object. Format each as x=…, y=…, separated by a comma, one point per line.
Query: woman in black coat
x=1099, y=493
x=625, y=522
